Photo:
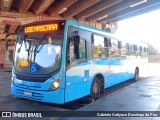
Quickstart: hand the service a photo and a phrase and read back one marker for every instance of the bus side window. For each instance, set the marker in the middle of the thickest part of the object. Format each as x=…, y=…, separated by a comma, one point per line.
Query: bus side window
x=109, y=42
x=79, y=48
x=135, y=47
x=99, y=47
x=124, y=49
x=127, y=46
x=131, y=50
x=145, y=49
x=119, y=44
x=114, y=51
x=145, y=52
x=140, y=48
x=76, y=49
x=138, y=52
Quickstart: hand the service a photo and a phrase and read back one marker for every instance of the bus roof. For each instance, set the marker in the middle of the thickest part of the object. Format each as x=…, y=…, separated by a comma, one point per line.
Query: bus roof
x=85, y=27
x=102, y=32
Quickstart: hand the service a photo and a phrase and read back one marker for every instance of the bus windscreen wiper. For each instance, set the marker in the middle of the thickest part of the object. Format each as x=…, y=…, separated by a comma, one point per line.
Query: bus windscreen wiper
x=40, y=43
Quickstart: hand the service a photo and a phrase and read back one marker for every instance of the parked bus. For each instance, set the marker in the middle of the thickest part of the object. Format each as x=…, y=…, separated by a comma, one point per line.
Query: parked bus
x=61, y=61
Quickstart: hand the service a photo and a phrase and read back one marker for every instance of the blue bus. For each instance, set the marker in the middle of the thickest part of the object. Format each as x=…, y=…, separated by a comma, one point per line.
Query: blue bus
x=61, y=61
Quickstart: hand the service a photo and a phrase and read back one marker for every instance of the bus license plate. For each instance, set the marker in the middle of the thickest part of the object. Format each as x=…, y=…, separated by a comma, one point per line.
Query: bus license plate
x=28, y=93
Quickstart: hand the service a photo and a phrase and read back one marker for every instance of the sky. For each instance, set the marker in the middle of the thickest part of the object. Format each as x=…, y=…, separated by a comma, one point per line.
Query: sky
x=144, y=27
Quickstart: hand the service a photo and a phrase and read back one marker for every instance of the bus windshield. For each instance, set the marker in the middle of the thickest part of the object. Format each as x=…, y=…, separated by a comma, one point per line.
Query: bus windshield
x=38, y=54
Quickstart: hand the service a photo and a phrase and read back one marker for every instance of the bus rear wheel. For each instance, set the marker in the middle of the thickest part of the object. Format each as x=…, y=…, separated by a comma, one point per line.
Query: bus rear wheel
x=136, y=75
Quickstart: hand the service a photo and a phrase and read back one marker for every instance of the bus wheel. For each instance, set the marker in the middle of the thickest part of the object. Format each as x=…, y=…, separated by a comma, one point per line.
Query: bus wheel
x=96, y=89
x=95, y=92
x=136, y=74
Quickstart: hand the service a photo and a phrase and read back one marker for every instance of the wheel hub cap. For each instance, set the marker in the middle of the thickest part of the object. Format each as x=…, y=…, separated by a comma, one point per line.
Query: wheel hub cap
x=95, y=88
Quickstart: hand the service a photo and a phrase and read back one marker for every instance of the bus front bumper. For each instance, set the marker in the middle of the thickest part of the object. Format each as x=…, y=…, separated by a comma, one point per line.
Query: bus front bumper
x=56, y=96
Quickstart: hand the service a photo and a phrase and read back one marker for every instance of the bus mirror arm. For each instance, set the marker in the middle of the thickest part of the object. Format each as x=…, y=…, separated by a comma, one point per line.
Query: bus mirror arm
x=7, y=35
x=6, y=44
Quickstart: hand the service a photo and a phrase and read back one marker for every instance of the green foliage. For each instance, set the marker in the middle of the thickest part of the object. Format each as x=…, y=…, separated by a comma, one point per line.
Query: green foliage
x=152, y=50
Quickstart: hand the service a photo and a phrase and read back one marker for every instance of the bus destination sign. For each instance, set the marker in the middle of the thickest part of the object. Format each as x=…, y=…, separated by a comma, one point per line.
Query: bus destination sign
x=41, y=28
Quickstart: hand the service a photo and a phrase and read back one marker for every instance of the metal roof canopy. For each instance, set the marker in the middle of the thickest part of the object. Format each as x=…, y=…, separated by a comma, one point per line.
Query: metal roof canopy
x=98, y=11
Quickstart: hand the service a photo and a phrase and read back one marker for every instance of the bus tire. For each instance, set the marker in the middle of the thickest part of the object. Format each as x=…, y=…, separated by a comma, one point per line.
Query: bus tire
x=136, y=75
x=96, y=89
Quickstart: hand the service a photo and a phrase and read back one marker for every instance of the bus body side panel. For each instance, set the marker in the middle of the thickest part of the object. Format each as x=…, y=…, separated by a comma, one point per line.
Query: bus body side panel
x=103, y=67
x=124, y=67
x=115, y=70
x=131, y=67
x=109, y=68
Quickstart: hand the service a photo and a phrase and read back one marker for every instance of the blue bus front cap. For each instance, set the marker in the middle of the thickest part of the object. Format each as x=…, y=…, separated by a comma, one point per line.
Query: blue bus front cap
x=56, y=96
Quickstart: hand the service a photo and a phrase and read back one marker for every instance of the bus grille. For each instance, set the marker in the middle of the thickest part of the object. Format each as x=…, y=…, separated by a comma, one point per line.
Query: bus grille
x=30, y=87
x=34, y=96
x=31, y=78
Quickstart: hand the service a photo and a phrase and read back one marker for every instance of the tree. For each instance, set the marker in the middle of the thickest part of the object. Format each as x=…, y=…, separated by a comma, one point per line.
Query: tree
x=152, y=50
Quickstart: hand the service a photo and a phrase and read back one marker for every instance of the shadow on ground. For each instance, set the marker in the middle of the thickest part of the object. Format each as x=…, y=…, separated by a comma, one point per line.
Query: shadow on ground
x=77, y=104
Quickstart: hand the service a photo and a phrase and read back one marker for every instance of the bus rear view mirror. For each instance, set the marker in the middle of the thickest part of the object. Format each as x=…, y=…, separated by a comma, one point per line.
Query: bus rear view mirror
x=6, y=39
x=76, y=39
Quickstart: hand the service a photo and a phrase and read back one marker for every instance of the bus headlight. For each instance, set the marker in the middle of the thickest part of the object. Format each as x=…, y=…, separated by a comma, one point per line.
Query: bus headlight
x=55, y=84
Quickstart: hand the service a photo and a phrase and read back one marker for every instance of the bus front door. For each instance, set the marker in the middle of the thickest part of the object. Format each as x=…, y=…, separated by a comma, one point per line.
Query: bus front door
x=76, y=81
x=77, y=72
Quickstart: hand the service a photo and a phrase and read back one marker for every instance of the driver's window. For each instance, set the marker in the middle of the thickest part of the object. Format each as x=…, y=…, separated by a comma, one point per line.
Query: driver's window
x=76, y=50
x=71, y=53
x=82, y=49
